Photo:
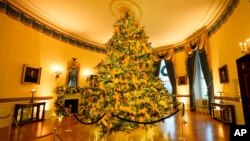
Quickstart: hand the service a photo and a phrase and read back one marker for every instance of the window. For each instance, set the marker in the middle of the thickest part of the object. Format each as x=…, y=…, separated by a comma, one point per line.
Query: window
x=203, y=85
x=163, y=75
x=200, y=86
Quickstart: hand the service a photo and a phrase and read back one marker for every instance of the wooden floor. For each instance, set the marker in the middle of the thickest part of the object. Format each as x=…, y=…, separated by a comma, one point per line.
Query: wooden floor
x=199, y=127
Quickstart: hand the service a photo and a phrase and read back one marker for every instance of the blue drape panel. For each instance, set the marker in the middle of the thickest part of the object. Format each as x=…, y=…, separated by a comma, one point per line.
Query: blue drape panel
x=208, y=77
x=171, y=75
x=190, y=71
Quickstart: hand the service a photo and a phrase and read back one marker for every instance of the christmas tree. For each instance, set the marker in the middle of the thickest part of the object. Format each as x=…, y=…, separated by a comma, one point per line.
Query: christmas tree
x=127, y=95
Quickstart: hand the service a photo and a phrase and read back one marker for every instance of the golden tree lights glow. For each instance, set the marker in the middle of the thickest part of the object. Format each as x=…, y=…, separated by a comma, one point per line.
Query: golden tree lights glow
x=125, y=85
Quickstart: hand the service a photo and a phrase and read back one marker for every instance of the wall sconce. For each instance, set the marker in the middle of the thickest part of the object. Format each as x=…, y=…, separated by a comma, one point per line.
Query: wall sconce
x=58, y=71
x=87, y=73
x=245, y=46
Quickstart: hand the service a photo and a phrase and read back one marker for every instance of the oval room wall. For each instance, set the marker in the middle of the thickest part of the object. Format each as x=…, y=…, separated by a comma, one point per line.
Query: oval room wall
x=21, y=45
x=225, y=49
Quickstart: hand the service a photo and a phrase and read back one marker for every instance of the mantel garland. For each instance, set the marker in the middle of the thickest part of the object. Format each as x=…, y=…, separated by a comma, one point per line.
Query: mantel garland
x=69, y=89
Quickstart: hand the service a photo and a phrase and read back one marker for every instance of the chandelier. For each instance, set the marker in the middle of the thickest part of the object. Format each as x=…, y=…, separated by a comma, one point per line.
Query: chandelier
x=245, y=46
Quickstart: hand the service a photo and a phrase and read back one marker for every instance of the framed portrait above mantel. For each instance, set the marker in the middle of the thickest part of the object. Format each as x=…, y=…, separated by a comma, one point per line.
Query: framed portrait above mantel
x=31, y=74
x=223, y=74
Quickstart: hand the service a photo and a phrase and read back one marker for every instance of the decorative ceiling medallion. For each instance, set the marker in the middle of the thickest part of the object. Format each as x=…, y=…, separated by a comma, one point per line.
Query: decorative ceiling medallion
x=119, y=7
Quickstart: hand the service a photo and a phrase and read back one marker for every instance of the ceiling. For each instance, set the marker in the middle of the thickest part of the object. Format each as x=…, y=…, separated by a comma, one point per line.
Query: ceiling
x=166, y=22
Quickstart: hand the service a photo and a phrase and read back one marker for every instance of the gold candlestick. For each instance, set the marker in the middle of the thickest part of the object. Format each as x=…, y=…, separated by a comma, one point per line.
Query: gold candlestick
x=221, y=102
x=32, y=95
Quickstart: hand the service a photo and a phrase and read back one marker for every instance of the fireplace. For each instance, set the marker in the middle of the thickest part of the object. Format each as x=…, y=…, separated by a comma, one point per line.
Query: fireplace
x=73, y=103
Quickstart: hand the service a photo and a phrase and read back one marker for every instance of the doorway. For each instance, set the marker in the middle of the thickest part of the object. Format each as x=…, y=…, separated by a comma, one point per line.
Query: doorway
x=243, y=67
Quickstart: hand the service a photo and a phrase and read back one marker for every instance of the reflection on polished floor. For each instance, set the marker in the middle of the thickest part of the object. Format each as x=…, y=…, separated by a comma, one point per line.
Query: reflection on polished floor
x=198, y=127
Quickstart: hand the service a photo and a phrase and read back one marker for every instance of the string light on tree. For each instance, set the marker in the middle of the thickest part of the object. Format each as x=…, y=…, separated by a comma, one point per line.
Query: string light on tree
x=127, y=95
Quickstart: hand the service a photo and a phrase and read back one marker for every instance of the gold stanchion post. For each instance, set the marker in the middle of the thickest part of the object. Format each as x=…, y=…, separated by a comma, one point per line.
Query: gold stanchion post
x=55, y=132
x=68, y=129
x=183, y=122
x=10, y=125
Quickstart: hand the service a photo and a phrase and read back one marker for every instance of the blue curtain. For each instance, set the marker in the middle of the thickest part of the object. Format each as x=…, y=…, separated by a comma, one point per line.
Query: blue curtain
x=171, y=75
x=207, y=76
x=190, y=71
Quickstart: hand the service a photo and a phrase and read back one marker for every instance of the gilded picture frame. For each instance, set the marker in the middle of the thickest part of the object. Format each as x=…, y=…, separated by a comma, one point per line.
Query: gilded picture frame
x=31, y=74
x=223, y=74
x=182, y=80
